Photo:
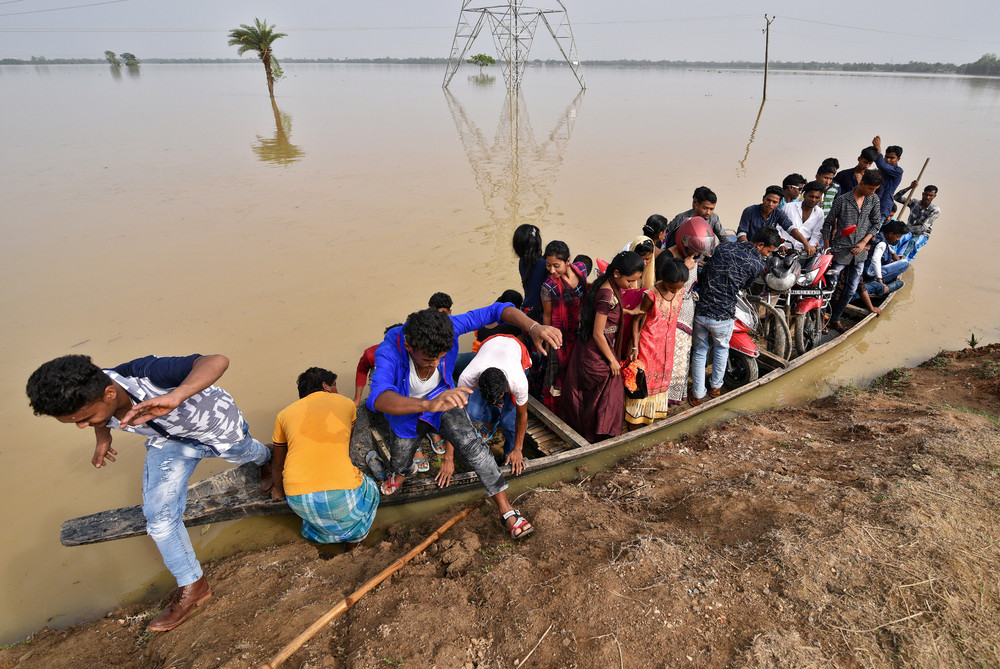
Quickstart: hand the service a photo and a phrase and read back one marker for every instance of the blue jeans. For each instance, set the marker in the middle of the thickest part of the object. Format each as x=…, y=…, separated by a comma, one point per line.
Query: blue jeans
x=481, y=412
x=908, y=245
x=715, y=333
x=875, y=289
x=164, y=497
x=852, y=277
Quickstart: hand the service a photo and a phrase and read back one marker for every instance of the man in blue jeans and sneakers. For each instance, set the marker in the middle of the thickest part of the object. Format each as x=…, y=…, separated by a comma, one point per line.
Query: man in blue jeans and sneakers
x=185, y=418
x=731, y=268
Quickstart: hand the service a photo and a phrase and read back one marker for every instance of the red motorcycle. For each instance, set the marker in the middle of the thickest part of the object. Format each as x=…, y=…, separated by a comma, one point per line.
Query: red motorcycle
x=758, y=326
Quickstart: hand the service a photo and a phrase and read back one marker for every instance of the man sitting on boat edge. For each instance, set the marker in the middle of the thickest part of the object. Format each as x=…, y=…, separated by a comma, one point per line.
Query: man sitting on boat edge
x=413, y=386
x=312, y=464
x=185, y=418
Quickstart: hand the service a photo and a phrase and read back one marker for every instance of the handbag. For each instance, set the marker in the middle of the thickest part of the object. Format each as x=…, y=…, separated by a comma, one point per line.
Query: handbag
x=634, y=375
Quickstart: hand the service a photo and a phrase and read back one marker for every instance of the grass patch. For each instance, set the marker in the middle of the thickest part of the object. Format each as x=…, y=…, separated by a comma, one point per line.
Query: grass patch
x=892, y=382
x=848, y=391
x=938, y=361
x=988, y=370
x=993, y=418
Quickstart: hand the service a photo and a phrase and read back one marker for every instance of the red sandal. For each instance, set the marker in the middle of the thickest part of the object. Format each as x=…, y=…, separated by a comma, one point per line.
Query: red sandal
x=391, y=485
x=518, y=525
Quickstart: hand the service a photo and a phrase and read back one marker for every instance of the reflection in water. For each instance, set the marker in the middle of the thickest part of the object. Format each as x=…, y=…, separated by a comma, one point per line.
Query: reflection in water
x=133, y=70
x=743, y=163
x=482, y=79
x=513, y=171
x=278, y=149
x=116, y=72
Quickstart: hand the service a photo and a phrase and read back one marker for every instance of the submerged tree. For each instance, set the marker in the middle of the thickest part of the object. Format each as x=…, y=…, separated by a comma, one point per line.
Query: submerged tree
x=259, y=38
x=112, y=59
x=482, y=60
x=130, y=59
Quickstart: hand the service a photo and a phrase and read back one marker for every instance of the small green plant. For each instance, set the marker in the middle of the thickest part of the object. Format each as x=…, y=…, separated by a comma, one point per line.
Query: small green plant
x=988, y=370
x=848, y=390
x=972, y=341
x=938, y=361
x=393, y=661
x=892, y=382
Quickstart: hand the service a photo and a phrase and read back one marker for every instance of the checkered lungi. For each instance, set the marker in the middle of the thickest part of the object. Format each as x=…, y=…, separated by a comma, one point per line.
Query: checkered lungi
x=336, y=516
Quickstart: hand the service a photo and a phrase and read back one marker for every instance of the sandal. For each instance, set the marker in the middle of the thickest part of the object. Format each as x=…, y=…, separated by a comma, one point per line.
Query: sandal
x=487, y=435
x=437, y=443
x=391, y=485
x=519, y=524
x=421, y=463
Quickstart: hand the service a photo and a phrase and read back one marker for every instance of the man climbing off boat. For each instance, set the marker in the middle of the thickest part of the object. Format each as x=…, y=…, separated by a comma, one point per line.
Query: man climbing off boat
x=413, y=386
x=185, y=418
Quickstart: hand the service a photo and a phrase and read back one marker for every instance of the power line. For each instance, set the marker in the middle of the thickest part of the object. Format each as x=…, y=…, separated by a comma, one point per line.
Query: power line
x=59, y=9
x=886, y=32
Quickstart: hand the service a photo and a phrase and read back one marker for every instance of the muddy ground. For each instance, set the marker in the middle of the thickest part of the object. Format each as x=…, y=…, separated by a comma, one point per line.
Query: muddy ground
x=858, y=531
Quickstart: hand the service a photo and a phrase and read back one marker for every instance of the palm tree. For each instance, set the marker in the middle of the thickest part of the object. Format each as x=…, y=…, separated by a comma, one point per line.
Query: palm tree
x=259, y=38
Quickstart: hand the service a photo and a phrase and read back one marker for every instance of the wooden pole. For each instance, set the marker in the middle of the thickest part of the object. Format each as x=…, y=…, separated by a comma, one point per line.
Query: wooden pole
x=906, y=200
x=351, y=599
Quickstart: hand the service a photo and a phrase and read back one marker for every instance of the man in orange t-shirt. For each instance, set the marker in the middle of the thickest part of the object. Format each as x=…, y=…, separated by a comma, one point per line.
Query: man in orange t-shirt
x=312, y=463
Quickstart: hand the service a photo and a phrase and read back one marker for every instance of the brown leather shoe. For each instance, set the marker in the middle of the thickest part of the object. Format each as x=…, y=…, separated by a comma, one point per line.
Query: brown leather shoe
x=181, y=606
x=694, y=401
x=714, y=392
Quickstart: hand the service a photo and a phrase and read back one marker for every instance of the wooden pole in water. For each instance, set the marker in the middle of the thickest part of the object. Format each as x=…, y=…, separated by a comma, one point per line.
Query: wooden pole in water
x=767, y=47
x=906, y=200
x=351, y=599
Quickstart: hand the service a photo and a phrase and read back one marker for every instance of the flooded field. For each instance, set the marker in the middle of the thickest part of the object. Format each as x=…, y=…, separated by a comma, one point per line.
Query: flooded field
x=178, y=211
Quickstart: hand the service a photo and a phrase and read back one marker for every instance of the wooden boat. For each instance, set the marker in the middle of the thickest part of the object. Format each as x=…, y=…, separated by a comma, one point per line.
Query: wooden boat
x=549, y=442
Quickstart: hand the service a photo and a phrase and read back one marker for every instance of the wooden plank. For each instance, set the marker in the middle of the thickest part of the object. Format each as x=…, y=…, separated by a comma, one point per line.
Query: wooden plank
x=568, y=434
x=772, y=360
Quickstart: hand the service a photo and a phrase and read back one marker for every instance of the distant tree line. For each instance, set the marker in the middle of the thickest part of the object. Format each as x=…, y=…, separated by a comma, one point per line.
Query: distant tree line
x=988, y=65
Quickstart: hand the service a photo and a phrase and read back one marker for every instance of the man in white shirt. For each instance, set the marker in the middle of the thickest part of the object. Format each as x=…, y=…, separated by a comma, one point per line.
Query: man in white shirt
x=497, y=377
x=806, y=216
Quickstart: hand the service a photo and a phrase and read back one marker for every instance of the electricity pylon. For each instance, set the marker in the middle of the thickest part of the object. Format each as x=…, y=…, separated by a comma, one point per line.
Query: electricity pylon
x=513, y=26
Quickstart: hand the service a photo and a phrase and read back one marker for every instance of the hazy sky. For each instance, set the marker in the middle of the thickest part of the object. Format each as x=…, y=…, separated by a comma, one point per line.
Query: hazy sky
x=847, y=31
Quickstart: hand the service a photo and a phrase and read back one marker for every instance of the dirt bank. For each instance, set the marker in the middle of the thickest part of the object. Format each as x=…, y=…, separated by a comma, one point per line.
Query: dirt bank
x=859, y=530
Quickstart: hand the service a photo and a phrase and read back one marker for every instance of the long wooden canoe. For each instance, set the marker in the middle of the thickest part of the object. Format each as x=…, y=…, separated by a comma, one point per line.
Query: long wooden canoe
x=549, y=442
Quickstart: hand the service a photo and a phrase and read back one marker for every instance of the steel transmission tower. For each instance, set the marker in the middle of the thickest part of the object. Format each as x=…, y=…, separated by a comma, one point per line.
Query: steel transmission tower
x=513, y=26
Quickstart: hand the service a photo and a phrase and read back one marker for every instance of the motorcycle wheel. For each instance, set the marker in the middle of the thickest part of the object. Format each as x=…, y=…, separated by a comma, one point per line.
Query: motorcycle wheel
x=774, y=333
x=808, y=330
x=741, y=369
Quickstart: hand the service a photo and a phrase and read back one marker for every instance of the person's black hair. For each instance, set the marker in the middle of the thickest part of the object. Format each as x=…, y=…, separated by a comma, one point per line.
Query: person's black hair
x=512, y=296
x=894, y=208
x=440, y=301
x=827, y=168
x=312, y=380
x=872, y=178
x=870, y=153
x=793, y=179
x=833, y=162
x=670, y=269
x=66, y=385
x=704, y=194
x=558, y=249
x=931, y=188
x=644, y=248
x=625, y=263
x=394, y=325
x=655, y=225
x=492, y=385
x=768, y=236
x=429, y=331
x=814, y=185
x=527, y=244
x=588, y=264
x=898, y=150
x=894, y=226
x=774, y=190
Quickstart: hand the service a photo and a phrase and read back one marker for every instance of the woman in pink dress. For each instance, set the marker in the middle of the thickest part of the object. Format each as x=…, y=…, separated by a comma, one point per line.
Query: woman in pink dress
x=653, y=333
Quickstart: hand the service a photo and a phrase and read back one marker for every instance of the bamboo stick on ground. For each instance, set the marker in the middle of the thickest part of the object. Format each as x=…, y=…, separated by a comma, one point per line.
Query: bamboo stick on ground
x=351, y=599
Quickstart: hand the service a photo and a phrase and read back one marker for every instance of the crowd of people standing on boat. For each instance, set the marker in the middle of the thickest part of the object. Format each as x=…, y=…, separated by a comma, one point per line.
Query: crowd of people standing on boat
x=579, y=344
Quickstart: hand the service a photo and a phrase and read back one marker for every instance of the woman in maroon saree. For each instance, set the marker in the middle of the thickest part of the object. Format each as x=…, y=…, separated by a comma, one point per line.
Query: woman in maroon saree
x=593, y=395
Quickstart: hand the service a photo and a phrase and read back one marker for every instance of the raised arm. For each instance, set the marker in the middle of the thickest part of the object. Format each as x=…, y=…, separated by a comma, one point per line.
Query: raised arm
x=540, y=334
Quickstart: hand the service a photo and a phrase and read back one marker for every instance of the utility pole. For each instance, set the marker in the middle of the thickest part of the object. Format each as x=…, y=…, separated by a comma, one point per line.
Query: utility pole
x=767, y=46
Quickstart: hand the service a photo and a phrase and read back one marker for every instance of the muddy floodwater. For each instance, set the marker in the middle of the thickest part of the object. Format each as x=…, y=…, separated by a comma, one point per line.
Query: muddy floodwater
x=175, y=210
